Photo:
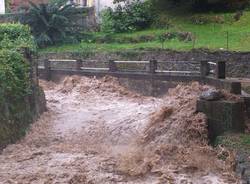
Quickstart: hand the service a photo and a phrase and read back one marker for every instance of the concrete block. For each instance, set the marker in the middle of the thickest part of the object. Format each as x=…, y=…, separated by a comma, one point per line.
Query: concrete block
x=222, y=116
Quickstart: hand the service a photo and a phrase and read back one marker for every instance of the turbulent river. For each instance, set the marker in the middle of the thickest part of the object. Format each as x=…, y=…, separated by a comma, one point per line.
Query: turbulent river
x=97, y=132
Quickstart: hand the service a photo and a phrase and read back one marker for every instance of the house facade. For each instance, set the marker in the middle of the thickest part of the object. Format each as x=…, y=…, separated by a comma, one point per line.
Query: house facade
x=14, y=4
x=2, y=7
x=98, y=5
x=89, y=3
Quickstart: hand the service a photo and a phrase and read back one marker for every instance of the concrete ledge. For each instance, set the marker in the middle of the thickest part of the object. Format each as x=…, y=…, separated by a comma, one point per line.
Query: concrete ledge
x=229, y=85
x=123, y=74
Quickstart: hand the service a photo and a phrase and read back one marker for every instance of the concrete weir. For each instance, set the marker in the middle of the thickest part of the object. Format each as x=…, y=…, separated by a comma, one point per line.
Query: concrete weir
x=148, y=78
x=211, y=73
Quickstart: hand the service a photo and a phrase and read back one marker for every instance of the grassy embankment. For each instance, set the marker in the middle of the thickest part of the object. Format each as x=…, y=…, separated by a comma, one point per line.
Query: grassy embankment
x=211, y=35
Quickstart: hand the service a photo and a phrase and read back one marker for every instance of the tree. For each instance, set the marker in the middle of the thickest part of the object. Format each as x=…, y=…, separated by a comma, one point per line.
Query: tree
x=50, y=23
x=203, y=5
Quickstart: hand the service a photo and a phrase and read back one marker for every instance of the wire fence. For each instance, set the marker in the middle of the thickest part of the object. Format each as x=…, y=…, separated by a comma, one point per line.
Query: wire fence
x=233, y=41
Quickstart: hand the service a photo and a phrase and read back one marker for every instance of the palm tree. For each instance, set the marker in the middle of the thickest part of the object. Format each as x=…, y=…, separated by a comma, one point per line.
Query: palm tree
x=50, y=23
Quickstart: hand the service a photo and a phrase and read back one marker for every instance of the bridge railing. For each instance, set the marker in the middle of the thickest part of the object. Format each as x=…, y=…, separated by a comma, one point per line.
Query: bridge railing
x=152, y=67
x=217, y=69
x=211, y=73
x=202, y=68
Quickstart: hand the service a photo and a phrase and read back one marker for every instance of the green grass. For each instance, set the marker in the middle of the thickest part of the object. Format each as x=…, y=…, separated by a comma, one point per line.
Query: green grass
x=211, y=36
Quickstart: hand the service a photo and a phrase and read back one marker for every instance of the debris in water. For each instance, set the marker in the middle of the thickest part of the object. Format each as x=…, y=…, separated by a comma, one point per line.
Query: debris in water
x=98, y=132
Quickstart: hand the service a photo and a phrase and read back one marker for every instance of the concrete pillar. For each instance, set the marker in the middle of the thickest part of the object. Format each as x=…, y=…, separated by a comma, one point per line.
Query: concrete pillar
x=152, y=66
x=221, y=70
x=112, y=66
x=78, y=64
x=223, y=116
x=47, y=67
x=204, y=68
x=2, y=6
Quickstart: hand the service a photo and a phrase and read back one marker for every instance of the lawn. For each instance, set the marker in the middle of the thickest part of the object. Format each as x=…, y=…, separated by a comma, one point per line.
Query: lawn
x=229, y=35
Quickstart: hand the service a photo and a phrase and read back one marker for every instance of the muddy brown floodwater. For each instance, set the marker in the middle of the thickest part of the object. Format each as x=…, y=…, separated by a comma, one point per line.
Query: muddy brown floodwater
x=97, y=132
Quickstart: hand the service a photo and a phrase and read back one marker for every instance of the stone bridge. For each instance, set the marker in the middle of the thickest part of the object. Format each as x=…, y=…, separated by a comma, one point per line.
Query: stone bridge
x=148, y=78
x=152, y=78
x=150, y=72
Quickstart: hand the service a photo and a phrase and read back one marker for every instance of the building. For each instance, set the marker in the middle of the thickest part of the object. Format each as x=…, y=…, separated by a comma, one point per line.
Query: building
x=14, y=4
x=98, y=5
x=2, y=6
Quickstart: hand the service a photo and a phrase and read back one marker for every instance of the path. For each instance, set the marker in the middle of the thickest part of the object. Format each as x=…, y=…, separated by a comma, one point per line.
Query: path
x=97, y=132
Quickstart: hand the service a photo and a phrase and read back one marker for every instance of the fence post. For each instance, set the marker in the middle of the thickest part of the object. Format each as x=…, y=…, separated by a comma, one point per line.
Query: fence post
x=152, y=66
x=47, y=67
x=194, y=42
x=204, y=68
x=227, y=40
x=78, y=64
x=112, y=66
x=220, y=70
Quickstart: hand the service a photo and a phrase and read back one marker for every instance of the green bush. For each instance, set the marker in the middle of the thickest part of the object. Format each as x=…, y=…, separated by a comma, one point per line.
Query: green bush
x=14, y=75
x=127, y=16
x=14, y=31
x=15, y=36
x=14, y=70
x=15, y=84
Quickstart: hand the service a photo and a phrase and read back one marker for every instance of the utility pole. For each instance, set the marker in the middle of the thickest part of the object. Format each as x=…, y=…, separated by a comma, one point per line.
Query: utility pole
x=2, y=6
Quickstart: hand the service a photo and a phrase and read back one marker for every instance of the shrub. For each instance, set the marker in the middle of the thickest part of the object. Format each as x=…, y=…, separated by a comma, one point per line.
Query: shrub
x=200, y=20
x=14, y=31
x=181, y=36
x=18, y=93
x=15, y=36
x=15, y=92
x=206, y=19
x=14, y=75
x=162, y=21
x=127, y=16
x=50, y=23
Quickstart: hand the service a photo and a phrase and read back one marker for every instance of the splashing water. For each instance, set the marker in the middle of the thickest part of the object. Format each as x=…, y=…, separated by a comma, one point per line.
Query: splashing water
x=97, y=132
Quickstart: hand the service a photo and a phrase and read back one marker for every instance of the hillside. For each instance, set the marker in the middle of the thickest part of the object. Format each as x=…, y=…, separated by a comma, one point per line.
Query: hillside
x=184, y=32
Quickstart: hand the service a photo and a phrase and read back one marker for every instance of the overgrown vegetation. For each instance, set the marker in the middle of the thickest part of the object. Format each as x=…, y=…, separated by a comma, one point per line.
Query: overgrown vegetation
x=13, y=67
x=127, y=16
x=15, y=37
x=203, y=5
x=15, y=85
x=212, y=36
x=51, y=23
x=172, y=25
